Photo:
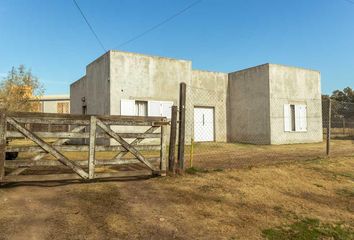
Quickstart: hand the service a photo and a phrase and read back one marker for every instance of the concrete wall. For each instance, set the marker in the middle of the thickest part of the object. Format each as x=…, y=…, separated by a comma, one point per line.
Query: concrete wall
x=143, y=77
x=94, y=86
x=290, y=85
x=98, y=84
x=208, y=89
x=78, y=90
x=248, y=106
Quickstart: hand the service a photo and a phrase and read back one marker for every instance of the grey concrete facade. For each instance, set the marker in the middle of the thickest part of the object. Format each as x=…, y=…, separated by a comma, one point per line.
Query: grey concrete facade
x=257, y=97
x=291, y=85
x=249, y=120
x=243, y=102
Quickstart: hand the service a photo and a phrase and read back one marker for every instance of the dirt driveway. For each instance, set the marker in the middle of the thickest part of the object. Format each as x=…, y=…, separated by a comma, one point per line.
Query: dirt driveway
x=219, y=204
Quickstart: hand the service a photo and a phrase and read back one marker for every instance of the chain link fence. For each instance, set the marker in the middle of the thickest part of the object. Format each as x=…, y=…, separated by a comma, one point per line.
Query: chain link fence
x=339, y=118
x=219, y=134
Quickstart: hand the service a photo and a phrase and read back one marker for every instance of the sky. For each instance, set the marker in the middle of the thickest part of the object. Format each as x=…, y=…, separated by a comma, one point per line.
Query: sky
x=52, y=38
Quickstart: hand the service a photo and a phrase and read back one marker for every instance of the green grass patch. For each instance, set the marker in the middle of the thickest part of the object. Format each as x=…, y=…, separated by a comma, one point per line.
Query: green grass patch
x=194, y=170
x=218, y=170
x=308, y=229
x=346, y=192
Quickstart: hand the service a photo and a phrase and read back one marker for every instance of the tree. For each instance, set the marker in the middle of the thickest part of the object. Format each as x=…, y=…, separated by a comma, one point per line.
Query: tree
x=20, y=90
x=347, y=95
x=343, y=105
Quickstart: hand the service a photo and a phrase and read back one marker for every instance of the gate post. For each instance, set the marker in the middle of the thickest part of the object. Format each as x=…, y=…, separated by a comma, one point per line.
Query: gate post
x=2, y=143
x=173, y=134
x=182, y=126
x=163, y=153
x=92, y=150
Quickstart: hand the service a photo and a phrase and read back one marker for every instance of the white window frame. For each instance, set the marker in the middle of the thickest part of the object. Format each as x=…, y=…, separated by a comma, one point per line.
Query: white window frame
x=301, y=122
x=154, y=108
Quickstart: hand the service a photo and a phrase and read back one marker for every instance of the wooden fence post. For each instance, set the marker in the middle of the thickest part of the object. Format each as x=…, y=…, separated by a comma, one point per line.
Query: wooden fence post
x=92, y=151
x=328, y=150
x=173, y=135
x=2, y=143
x=163, y=153
x=182, y=126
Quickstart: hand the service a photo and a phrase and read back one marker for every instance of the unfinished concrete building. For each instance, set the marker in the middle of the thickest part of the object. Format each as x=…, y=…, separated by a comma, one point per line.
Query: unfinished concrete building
x=267, y=104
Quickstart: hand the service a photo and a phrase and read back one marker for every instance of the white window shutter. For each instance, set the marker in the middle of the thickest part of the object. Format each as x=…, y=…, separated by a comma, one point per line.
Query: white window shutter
x=154, y=109
x=303, y=117
x=166, y=109
x=127, y=107
x=287, y=118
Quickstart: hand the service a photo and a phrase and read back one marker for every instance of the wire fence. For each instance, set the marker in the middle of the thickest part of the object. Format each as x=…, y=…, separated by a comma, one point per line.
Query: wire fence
x=222, y=134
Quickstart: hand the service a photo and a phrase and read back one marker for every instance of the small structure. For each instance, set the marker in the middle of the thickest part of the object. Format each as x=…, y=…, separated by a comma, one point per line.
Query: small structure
x=268, y=104
x=53, y=104
x=275, y=104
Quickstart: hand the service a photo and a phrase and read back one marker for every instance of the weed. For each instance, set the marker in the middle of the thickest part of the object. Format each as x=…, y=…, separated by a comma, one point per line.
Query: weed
x=308, y=229
x=318, y=185
x=218, y=170
x=194, y=170
x=346, y=192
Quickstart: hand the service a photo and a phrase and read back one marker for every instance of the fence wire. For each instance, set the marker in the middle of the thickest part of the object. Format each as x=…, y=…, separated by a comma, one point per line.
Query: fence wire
x=223, y=134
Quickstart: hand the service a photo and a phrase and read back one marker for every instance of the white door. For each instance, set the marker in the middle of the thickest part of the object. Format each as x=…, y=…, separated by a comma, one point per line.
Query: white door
x=203, y=124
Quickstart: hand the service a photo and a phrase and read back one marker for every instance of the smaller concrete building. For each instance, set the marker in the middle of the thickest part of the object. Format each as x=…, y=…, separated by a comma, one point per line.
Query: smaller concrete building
x=54, y=104
x=267, y=104
x=275, y=104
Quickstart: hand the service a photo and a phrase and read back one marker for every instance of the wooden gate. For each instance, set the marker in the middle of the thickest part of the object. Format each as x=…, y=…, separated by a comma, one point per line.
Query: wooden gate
x=118, y=137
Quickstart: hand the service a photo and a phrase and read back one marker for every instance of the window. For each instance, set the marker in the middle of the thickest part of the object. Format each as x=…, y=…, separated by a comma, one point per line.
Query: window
x=140, y=108
x=63, y=107
x=84, y=110
x=38, y=107
x=160, y=108
x=295, y=118
x=145, y=108
x=292, y=117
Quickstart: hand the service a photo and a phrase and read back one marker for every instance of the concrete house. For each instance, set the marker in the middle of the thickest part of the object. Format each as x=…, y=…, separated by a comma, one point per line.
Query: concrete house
x=267, y=104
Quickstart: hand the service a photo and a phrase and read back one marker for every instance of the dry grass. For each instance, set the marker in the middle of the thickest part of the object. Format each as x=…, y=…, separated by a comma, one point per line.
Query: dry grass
x=221, y=204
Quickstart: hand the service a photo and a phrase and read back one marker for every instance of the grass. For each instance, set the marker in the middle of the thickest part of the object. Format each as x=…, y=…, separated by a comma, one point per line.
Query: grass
x=233, y=191
x=293, y=200
x=195, y=170
x=346, y=192
x=308, y=229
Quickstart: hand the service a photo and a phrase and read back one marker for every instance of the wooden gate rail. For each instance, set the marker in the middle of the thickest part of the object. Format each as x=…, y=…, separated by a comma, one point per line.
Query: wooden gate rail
x=82, y=127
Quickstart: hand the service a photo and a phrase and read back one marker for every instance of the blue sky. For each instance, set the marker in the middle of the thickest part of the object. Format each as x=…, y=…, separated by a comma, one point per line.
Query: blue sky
x=52, y=38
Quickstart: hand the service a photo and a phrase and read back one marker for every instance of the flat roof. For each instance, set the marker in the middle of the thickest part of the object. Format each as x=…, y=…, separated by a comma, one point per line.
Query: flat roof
x=55, y=97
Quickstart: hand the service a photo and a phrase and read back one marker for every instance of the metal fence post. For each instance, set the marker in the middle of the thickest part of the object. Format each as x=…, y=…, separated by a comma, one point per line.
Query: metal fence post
x=329, y=128
x=182, y=126
x=173, y=135
x=191, y=153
